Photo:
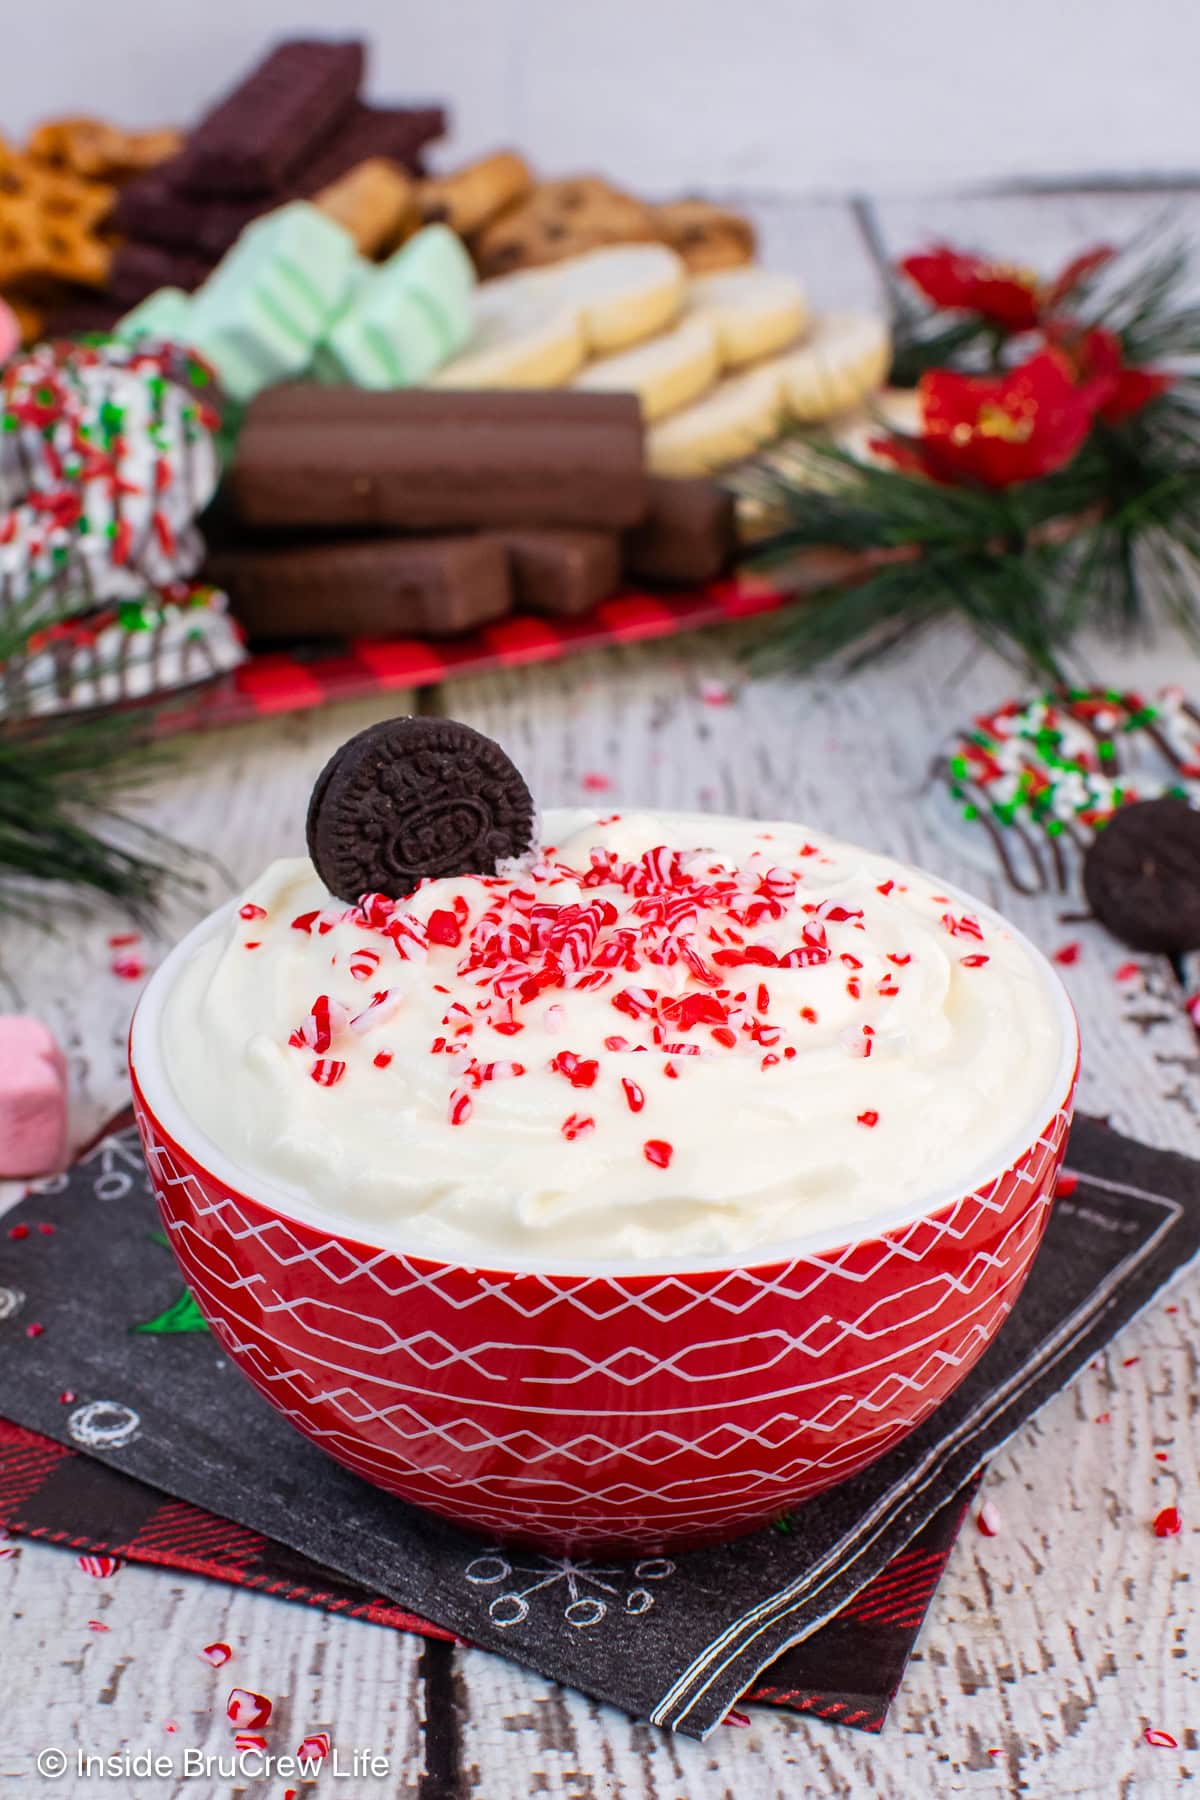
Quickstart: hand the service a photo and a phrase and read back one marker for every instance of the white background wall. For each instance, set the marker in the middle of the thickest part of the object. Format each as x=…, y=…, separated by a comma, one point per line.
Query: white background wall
x=816, y=96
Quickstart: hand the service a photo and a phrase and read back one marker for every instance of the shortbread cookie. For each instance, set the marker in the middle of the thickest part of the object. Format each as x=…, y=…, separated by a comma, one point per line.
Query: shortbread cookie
x=470, y=198
x=524, y=335
x=733, y=421
x=624, y=294
x=561, y=219
x=707, y=237
x=844, y=358
x=754, y=312
x=666, y=372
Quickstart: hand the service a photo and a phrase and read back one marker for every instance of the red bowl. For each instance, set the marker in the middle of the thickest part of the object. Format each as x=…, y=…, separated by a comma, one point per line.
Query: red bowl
x=614, y=1406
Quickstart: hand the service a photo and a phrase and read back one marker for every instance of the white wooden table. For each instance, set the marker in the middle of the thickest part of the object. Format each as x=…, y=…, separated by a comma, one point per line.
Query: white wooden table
x=1052, y=1646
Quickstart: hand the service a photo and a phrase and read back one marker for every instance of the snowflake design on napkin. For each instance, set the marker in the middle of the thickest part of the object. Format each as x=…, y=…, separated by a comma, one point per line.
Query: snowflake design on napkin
x=116, y=1165
x=579, y=1584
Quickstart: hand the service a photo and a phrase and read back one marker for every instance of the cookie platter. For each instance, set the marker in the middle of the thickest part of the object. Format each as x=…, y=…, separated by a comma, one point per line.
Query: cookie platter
x=294, y=419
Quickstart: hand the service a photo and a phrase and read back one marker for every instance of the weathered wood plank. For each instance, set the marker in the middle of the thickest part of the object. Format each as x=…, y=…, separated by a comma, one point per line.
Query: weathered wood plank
x=68, y=1686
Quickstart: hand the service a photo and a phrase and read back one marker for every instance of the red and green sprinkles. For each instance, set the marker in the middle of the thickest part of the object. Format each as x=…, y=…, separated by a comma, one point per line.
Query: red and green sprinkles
x=1051, y=771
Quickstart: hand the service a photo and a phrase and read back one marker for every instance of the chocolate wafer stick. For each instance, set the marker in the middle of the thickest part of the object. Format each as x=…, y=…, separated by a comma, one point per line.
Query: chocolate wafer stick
x=688, y=534
x=423, y=460
x=152, y=209
x=380, y=587
x=561, y=573
x=272, y=121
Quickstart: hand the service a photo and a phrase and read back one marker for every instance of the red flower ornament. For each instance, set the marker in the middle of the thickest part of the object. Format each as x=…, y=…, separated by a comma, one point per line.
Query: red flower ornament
x=997, y=430
x=1008, y=296
x=1118, y=391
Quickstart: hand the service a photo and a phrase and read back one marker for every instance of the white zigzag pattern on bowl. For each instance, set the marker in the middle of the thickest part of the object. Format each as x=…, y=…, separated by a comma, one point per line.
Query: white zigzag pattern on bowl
x=348, y=1267
x=589, y=1449
x=516, y=1491
x=432, y=1351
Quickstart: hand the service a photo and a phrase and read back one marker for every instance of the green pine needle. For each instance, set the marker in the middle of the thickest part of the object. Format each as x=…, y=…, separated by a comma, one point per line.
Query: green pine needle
x=62, y=830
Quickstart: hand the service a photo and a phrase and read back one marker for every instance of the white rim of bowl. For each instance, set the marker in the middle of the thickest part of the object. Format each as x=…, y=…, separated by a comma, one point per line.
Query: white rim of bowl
x=148, y=1065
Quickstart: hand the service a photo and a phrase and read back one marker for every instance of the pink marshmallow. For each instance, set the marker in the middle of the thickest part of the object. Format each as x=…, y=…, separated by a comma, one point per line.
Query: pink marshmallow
x=10, y=332
x=33, y=1099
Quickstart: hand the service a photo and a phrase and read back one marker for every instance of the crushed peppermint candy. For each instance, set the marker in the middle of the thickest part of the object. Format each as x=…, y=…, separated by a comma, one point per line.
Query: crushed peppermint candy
x=246, y=1710
x=100, y=1568
x=988, y=1520
x=680, y=915
x=1168, y=1522
x=1160, y=1740
x=715, y=693
x=314, y=1748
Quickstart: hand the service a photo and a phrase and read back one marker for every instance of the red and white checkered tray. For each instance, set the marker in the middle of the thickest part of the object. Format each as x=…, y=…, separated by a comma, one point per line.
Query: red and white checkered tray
x=294, y=681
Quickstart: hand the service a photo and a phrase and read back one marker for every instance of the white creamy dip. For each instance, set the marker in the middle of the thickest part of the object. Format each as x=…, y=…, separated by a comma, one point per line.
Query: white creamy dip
x=670, y=1035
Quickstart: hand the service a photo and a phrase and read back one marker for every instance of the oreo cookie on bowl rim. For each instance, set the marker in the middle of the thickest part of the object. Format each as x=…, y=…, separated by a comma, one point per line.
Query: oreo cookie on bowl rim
x=1025, y=789
x=412, y=799
x=1142, y=876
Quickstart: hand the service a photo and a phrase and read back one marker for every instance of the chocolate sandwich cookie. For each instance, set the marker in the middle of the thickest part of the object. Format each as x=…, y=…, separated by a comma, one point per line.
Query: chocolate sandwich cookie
x=415, y=459
x=1142, y=876
x=561, y=573
x=412, y=799
x=688, y=534
x=272, y=120
x=435, y=587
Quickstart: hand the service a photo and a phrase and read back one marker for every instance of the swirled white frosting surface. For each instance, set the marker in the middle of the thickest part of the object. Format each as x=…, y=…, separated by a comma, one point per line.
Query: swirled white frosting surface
x=670, y=1035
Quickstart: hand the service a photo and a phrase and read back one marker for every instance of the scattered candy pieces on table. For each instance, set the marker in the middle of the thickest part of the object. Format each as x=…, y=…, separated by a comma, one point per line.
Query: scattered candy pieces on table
x=1168, y=1522
x=99, y=1567
x=988, y=1519
x=246, y=1710
x=33, y=1099
x=217, y=1654
x=1161, y=1740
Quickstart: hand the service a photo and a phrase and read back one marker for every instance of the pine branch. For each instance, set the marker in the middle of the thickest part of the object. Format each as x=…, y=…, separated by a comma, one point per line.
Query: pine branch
x=62, y=782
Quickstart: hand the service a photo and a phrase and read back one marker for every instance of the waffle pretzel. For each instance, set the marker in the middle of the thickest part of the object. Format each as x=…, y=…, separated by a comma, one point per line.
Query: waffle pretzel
x=49, y=223
x=96, y=151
